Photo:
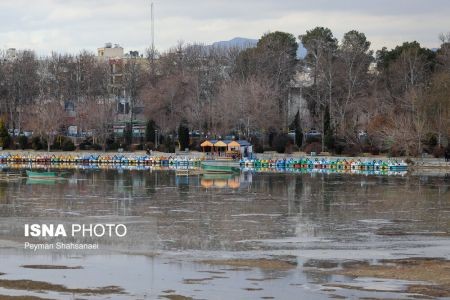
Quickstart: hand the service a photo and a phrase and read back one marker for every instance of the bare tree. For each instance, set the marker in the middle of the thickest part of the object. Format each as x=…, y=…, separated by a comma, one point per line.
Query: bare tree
x=355, y=57
x=47, y=119
x=20, y=85
x=132, y=82
x=100, y=115
x=254, y=103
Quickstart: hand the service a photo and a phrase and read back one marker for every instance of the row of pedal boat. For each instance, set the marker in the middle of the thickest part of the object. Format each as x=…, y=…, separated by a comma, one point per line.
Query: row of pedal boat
x=101, y=159
x=317, y=163
x=295, y=163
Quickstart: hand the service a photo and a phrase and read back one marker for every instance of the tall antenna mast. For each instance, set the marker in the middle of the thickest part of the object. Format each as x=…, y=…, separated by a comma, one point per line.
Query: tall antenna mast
x=152, y=29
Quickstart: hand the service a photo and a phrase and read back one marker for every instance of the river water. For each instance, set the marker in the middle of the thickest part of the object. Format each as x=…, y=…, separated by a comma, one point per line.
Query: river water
x=178, y=224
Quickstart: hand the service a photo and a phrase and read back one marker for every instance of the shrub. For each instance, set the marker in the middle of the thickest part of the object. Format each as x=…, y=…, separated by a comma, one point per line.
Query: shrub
x=272, y=135
x=352, y=150
x=290, y=147
x=167, y=148
x=294, y=148
x=430, y=139
x=23, y=142
x=82, y=146
x=313, y=147
x=258, y=148
x=68, y=145
x=62, y=141
x=162, y=148
x=137, y=147
x=438, y=151
x=86, y=144
x=162, y=138
x=195, y=145
x=395, y=151
x=329, y=140
x=38, y=144
x=111, y=145
x=374, y=150
x=340, y=145
x=149, y=145
x=280, y=142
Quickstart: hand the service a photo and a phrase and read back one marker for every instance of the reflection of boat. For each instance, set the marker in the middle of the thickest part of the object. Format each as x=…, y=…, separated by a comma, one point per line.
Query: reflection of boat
x=234, y=183
x=220, y=180
x=220, y=183
x=220, y=166
x=35, y=174
x=207, y=183
x=41, y=180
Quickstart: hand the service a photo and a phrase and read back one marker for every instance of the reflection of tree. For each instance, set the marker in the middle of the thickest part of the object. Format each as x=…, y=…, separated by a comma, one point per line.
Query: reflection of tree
x=122, y=205
x=3, y=196
x=326, y=201
x=183, y=191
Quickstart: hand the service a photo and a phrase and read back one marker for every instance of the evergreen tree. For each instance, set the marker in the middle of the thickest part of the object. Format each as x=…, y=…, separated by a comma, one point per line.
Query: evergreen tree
x=4, y=135
x=128, y=134
x=150, y=131
x=183, y=134
x=297, y=127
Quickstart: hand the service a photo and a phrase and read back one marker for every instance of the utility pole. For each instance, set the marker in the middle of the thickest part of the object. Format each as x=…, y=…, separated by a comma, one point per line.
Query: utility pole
x=152, y=49
x=152, y=28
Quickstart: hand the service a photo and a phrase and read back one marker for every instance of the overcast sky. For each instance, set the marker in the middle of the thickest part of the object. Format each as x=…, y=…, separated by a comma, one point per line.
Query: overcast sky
x=72, y=25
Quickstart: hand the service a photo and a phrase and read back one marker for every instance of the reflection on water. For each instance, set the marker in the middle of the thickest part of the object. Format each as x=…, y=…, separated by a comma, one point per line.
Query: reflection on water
x=214, y=211
x=311, y=216
x=121, y=167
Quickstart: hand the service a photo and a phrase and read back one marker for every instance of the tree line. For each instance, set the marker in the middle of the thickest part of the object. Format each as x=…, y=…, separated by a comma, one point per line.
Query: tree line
x=395, y=101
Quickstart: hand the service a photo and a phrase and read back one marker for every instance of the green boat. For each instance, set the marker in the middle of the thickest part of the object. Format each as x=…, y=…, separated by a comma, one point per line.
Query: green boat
x=216, y=166
x=35, y=174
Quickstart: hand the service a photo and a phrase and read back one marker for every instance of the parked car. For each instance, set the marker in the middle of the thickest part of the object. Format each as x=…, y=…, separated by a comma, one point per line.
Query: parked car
x=313, y=136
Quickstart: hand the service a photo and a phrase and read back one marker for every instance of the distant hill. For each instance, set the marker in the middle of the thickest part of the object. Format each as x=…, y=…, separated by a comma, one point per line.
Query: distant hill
x=236, y=42
x=241, y=42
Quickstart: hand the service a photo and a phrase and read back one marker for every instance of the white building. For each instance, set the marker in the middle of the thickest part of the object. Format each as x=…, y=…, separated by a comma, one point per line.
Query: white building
x=108, y=51
x=296, y=101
